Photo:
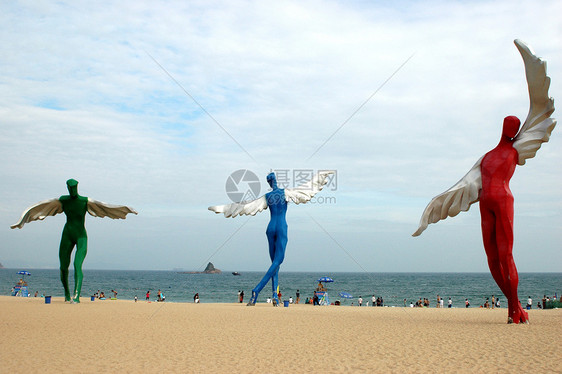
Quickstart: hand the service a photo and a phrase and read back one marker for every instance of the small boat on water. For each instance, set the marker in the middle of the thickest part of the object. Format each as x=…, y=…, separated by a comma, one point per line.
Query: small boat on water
x=236, y=273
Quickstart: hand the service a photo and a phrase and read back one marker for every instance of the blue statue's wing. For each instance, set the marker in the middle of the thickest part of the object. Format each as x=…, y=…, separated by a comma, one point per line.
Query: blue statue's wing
x=39, y=211
x=250, y=208
x=100, y=209
x=306, y=191
x=456, y=199
x=538, y=125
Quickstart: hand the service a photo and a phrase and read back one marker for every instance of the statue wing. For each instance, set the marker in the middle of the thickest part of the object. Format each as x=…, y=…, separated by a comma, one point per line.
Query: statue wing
x=250, y=208
x=39, y=211
x=306, y=191
x=456, y=199
x=101, y=209
x=538, y=126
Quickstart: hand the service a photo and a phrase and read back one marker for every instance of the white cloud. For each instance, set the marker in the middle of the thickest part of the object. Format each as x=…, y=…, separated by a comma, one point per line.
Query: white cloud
x=83, y=99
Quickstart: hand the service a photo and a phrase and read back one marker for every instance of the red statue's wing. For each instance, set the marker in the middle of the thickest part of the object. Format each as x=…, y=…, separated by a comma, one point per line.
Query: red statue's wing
x=101, y=209
x=456, y=199
x=306, y=191
x=538, y=125
x=250, y=208
x=39, y=211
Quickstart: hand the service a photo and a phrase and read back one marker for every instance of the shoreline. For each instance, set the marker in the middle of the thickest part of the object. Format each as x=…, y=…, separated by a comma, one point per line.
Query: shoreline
x=124, y=336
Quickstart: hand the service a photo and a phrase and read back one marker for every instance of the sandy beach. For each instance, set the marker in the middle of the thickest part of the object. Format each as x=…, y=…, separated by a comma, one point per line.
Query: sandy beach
x=127, y=337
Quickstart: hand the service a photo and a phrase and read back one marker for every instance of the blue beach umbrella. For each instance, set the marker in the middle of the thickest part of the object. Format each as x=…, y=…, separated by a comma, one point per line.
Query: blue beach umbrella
x=23, y=273
x=325, y=279
x=346, y=295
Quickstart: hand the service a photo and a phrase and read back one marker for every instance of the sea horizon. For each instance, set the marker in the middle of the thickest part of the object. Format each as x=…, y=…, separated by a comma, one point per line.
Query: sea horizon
x=393, y=287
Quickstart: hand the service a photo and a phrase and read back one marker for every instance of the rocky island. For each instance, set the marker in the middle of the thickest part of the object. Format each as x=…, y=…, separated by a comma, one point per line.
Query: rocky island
x=210, y=269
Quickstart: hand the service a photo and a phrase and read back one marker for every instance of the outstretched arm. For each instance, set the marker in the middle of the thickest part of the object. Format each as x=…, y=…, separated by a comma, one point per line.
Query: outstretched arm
x=39, y=211
x=101, y=209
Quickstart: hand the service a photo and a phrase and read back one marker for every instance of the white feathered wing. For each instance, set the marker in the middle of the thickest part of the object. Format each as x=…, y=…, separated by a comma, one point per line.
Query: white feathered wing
x=101, y=209
x=306, y=191
x=53, y=207
x=250, y=208
x=39, y=211
x=538, y=126
x=456, y=199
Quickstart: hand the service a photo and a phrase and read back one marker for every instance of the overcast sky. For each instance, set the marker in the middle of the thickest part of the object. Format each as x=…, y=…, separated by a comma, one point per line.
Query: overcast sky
x=418, y=91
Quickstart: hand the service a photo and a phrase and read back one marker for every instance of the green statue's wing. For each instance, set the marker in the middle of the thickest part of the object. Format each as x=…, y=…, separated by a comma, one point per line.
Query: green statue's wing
x=100, y=209
x=39, y=211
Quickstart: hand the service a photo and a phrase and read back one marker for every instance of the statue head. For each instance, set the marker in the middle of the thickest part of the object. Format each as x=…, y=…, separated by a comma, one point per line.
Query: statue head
x=271, y=180
x=510, y=126
x=72, y=186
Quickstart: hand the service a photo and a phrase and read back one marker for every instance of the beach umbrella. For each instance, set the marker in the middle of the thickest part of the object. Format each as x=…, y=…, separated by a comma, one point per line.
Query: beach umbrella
x=24, y=273
x=23, y=284
x=346, y=295
x=325, y=279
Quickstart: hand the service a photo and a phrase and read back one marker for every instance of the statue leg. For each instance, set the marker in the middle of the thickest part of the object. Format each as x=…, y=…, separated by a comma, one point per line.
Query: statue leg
x=497, y=235
x=65, y=250
x=274, y=277
x=491, y=248
x=79, y=256
x=280, y=245
x=504, y=240
x=255, y=292
x=278, y=256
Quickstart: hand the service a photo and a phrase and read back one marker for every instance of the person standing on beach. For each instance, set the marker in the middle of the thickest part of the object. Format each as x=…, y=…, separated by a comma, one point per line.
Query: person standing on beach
x=493, y=302
x=242, y=296
x=298, y=296
x=466, y=303
x=450, y=303
x=360, y=301
x=374, y=301
x=74, y=233
x=147, y=295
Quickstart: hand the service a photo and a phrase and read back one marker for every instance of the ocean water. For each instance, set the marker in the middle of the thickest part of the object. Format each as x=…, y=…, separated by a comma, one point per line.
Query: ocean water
x=223, y=288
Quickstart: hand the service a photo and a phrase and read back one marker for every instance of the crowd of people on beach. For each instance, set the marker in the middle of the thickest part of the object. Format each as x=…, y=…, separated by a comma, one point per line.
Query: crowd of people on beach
x=317, y=299
x=488, y=302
